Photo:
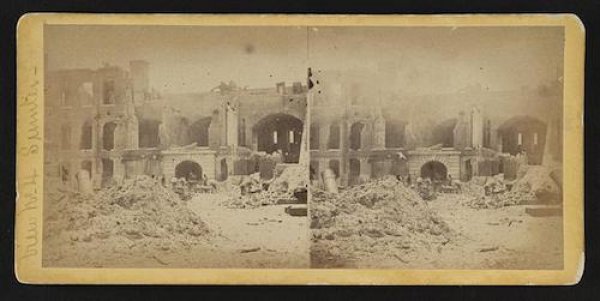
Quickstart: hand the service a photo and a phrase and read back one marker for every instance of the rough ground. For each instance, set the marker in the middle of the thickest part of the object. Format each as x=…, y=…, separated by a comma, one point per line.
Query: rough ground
x=503, y=238
x=239, y=238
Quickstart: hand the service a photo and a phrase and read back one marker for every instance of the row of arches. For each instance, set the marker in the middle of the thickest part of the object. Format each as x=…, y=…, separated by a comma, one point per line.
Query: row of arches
x=280, y=133
x=192, y=171
x=148, y=134
x=394, y=135
x=433, y=170
x=276, y=132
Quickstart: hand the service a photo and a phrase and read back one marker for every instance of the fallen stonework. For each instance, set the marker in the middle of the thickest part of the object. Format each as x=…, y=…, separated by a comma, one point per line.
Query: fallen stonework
x=253, y=192
x=140, y=210
x=536, y=185
x=258, y=199
x=378, y=217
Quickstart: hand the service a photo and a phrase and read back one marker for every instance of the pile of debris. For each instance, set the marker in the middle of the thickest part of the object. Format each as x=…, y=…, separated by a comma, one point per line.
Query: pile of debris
x=496, y=201
x=140, y=210
x=283, y=188
x=378, y=217
x=258, y=199
x=537, y=185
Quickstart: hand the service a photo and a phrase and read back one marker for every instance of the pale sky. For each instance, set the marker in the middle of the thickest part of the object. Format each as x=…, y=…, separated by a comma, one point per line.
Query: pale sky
x=431, y=60
x=421, y=60
x=186, y=58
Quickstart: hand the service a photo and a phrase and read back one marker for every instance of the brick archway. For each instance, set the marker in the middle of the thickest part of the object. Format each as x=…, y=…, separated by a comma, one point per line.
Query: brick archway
x=188, y=169
x=434, y=170
x=203, y=157
x=450, y=159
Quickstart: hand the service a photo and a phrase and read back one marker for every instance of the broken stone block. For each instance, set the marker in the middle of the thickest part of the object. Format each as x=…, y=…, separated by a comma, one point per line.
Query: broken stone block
x=297, y=210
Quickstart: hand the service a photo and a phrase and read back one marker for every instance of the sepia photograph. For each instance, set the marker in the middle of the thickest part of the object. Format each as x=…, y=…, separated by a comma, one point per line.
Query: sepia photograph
x=175, y=146
x=299, y=149
x=436, y=147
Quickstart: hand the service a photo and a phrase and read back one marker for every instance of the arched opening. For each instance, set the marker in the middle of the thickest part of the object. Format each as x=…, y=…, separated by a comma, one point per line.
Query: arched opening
x=280, y=132
x=443, y=133
x=108, y=135
x=107, y=171
x=314, y=136
x=394, y=133
x=148, y=133
x=434, y=170
x=224, y=170
x=86, y=136
x=314, y=169
x=524, y=134
x=334, y=165
x=108, y=92
x=355, y=135
x=199, y=131
x=354, y=171
x=87, y=165
x=334, y=136
x=468, y=171
x=242, y=132
x=188, y=170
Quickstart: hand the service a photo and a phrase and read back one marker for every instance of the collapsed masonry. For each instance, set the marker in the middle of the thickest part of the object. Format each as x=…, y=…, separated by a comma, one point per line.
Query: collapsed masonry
x=138, y=213
x=108, y=125
x=378, y=217
x=362, y=129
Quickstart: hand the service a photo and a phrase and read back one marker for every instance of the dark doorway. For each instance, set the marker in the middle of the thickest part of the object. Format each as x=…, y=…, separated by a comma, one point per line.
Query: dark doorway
x=189, y=170
x=87, y=165
x=356, y=135
x=314, y=136
x=334, y=136
x=107, y=171
x=148, y=133
x=468, y=170
x=354, y=171
x=86, y=136
x=108, y=92
x=394, y=133
x=224, y=170
x=199, y=131
x=524, y=134
x=242, y=132
x=108, y=135
x=314, y=169
x=443, y=133
x=434, y=170
x=280, y=132
x=334, y=165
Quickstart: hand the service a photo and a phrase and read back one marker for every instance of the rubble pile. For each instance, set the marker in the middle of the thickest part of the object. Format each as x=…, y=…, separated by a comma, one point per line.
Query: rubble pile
x=258, y=199
x=141, y=210
x=279, y=190
x=535, y=186
x=495, y=201
x=290, y=178
x=472, y=189
x=378, y=217
x=538, y=180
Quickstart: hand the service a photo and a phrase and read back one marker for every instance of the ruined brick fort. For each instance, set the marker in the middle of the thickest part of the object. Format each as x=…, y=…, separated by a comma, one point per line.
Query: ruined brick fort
x=111, y=123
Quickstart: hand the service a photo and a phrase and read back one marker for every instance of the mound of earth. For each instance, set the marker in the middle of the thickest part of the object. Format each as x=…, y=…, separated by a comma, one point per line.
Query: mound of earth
x=537, y=185
x=140, y=210
x=279, y=190
x=378, y=217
